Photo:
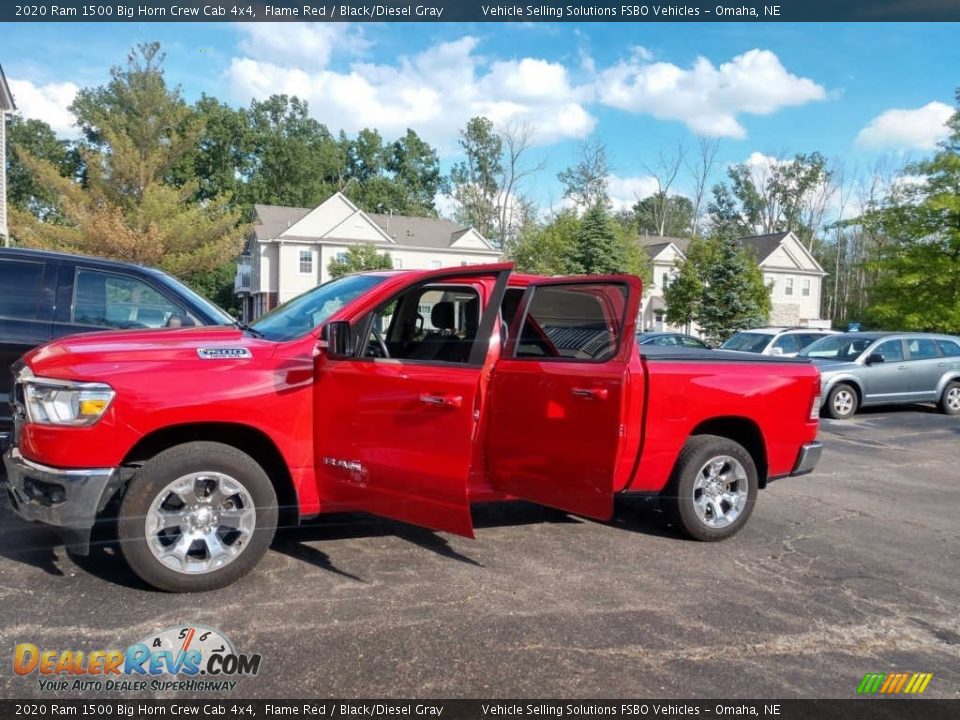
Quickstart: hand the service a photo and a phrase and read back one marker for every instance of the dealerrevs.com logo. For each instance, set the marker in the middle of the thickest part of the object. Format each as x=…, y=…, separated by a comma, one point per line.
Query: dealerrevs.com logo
x=191, y=659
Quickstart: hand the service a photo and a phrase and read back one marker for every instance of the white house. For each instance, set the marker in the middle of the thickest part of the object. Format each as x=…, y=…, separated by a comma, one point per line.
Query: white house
x=290, y=249
x=795, y=276
x=789, y=269
x=665, y=256
x=6, y=106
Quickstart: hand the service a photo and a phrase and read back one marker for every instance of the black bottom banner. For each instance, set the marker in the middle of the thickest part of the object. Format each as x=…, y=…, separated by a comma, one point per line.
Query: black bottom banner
x=859, y=709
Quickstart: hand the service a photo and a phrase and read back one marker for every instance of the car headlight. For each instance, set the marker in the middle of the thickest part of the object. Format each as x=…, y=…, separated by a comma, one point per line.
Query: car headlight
x=62, y=402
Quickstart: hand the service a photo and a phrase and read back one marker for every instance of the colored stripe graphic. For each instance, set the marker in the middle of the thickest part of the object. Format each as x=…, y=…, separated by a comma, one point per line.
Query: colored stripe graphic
x=894, y=683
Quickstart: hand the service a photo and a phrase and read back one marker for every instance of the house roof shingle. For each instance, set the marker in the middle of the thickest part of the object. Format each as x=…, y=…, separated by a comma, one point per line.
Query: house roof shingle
x=655, y=244
x=763, y=245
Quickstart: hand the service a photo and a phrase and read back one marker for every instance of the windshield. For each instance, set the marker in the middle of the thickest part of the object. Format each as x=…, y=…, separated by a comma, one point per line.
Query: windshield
x=747, y=342
x=307, y=311
x=841, y=348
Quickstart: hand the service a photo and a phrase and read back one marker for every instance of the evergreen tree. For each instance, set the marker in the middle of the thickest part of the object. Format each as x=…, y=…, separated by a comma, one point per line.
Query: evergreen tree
x=733, y=295
x=137, y=131
x=597, y=249
x=358, y=259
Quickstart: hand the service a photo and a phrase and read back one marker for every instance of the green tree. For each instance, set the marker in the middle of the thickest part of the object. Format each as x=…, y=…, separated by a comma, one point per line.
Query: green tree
x=36, y=139
x=677, y=211
x=917, y=286
x=585, y=182
x=222, y=160
x=598, y=248
x=476, y=179
x=359, y=258
x=295, y=159
x=137, y=131
x=547, y=249
x=784, y=195
x=733, y=295
x=684, y=293
x=416, y=168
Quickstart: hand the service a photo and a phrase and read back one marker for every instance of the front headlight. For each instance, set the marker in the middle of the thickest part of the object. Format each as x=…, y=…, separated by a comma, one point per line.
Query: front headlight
x=62, y=402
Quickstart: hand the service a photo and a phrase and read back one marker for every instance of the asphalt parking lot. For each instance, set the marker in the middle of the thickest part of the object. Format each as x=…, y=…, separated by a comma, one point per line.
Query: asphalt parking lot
x=853, y=569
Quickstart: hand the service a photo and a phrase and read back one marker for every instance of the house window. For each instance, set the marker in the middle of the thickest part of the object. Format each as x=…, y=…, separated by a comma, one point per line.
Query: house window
x=788, y=286
x=434, y=264
x=665, y=280
x=805, y=287
x=306, y=261
x=341, y=256
x=397, y=263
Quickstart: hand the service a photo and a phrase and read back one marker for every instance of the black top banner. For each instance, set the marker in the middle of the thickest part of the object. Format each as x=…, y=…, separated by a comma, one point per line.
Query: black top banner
x=481, y=11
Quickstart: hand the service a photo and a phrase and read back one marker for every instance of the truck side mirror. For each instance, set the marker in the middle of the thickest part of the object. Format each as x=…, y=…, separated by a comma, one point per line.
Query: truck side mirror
x=874, y=358
x=337, y=340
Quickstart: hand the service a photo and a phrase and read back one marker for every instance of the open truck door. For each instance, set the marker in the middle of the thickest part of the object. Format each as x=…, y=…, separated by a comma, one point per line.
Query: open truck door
x=397, y=417
x=558, y=393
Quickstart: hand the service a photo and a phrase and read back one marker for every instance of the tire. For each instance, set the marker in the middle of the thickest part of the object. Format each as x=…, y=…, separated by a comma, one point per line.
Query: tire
x=197, y=517
x=695, y=498
x=950, y=399
x=842, y=402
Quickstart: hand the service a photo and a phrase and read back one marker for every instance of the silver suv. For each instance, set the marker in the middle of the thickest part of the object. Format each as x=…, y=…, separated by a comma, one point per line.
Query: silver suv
x=860, y=369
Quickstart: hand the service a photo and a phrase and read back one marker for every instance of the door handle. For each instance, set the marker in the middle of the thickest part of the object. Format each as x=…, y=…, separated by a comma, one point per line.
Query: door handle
x=590, y=393
x=453, y=401
x=943, y=364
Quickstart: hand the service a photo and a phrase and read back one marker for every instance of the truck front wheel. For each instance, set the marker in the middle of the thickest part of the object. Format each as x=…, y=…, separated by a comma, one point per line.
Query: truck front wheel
x=197, y=517
x=713, y=489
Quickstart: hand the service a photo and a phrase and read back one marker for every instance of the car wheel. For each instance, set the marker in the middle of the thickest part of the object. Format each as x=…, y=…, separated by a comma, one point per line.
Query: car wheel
x=950, y=400
x=842, y=402
x=713, y=489
x=197, y=517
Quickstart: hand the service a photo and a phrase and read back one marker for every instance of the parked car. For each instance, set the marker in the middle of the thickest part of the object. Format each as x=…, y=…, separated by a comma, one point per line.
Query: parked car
x=46, y=295
x=774, y=341
x=881, y=368
x=344, y=399
x=671, y=339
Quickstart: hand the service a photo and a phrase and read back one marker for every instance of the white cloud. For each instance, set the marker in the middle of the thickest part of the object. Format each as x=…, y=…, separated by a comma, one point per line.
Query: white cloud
x=625, y=191
x=434, y=91
x=918, y=129
x=49, y=103
x=706, y=98
x=308, y=45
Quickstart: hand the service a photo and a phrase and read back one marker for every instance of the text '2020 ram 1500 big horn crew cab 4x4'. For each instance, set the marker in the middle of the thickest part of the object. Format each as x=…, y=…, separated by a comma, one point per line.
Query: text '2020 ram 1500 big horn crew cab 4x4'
x=409, y=395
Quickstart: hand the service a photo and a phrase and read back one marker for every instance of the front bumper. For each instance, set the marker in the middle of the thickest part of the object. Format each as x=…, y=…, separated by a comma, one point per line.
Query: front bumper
x=807, y=458
x=68, y=500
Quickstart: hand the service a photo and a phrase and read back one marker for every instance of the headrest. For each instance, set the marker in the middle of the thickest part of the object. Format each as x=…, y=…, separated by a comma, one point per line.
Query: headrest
x=472, y=317
x=442, y=316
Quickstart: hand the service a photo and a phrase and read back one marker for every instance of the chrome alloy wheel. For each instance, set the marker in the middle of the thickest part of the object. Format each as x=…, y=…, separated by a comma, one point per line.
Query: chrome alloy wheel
x=843, y=401
x=953, y=398
x=200, y=522
x=720, y=491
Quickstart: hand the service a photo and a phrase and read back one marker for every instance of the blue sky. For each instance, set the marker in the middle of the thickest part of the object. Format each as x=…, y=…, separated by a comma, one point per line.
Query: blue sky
x=852, y=91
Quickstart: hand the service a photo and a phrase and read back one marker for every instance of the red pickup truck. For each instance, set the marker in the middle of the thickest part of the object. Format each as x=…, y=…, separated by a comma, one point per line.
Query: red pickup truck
x=409, y=395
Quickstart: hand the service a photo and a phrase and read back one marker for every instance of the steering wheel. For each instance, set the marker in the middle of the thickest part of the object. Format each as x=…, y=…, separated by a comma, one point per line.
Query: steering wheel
x=380, y=349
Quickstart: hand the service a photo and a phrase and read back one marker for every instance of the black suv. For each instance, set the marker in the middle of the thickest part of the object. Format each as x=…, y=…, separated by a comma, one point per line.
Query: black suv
x=46, y=295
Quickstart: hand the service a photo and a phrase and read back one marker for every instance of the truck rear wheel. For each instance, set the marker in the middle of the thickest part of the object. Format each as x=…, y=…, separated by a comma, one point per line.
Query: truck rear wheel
x=197, y=517
x=713, y=489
